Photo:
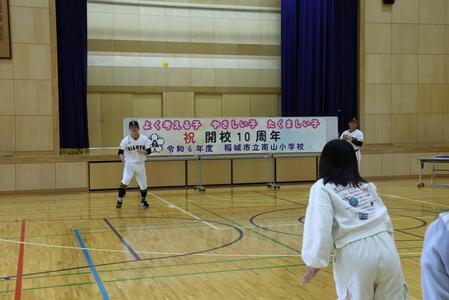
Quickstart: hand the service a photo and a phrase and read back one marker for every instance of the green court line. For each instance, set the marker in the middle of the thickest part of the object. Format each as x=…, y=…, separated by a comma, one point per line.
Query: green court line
x=157, y=267
x=252, y=230
x=124, y=228
x=167, y=276
x=156, y=277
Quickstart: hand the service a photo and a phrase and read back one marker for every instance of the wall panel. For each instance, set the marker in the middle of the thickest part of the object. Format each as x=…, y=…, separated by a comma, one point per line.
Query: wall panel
x=214, y=172
x=252, y=170
x=114, y=107
x=296, y=169
x=35, y=176
x=207, y=106
x=34, y=133
x=236, y=105
x=107, y=175
x=147, y=106
x=7, y=177
x=71, y=175
x=164, y=174
x=265, y=105
x=178, y=104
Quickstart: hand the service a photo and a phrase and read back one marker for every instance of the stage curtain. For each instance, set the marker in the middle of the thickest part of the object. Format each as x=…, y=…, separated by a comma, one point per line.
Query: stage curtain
x=320, y=58
x=71, y=19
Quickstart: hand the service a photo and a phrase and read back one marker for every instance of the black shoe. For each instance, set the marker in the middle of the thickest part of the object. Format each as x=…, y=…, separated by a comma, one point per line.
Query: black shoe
x=119, y=204
x=144, y=204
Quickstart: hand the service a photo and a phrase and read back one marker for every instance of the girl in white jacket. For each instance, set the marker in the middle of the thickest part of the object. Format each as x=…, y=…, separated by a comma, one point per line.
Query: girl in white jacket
x=345, y=216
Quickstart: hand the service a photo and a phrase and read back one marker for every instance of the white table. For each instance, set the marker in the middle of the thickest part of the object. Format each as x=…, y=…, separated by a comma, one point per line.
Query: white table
x=432, y=160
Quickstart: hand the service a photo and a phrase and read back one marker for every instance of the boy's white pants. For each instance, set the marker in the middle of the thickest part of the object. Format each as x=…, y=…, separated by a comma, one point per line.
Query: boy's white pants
x=138, y=169
x=369, y=269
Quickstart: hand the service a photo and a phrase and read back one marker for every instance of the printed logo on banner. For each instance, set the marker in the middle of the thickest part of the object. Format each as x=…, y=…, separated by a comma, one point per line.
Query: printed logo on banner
x=237, y=135
x=157, y=143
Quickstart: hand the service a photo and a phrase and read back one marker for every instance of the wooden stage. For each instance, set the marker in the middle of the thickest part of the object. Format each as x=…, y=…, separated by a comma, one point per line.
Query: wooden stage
x=227, y=243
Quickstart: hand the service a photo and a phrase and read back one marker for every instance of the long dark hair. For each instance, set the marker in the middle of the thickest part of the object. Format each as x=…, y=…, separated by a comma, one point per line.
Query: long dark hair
x=338, y=164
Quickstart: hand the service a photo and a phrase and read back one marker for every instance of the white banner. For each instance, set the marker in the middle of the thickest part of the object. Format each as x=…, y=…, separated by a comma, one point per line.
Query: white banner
x=208, y=136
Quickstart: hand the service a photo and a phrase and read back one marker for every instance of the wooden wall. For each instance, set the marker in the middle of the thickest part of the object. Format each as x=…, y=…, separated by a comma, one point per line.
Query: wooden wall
x=17, y=177
x=28, y=81
x=404, y=72
x=217, y=172
x=107, y=110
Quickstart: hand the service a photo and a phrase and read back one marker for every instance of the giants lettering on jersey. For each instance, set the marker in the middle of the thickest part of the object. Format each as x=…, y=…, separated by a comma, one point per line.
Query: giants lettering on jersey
x=135, y=147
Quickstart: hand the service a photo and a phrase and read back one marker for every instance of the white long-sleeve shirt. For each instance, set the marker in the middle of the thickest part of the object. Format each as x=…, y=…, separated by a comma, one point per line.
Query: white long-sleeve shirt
x=357, y=134
x=435, y=260
x=337, y=216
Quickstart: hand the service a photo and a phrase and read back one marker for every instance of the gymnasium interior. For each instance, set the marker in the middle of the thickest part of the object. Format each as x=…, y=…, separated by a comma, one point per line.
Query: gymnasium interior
x=219, y=226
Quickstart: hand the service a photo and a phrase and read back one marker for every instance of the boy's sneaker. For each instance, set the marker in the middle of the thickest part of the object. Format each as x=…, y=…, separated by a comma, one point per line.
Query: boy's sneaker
x=119, y=204
x=144, y=204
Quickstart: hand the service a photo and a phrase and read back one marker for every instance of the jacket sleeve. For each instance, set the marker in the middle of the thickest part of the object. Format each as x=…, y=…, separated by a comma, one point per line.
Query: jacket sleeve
x=434, y=269
x=318, y=244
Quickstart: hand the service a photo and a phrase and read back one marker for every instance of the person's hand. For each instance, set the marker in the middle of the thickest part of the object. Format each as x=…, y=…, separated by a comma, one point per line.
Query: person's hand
x=143, y=152
x=122, y=157
x=308, y=276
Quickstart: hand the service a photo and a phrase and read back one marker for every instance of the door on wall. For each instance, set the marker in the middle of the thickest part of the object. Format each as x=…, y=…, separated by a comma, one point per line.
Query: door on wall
x=106, y=113
x=114, y=107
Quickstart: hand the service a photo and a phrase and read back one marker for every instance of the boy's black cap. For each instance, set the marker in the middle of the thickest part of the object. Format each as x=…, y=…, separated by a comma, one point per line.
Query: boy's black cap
x=134, y=123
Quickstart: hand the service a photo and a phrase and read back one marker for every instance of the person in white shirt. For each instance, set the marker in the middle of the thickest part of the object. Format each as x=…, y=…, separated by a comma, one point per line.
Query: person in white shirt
x=133, y=151
x=435, y=259
x=346, y=216
x=355, y=137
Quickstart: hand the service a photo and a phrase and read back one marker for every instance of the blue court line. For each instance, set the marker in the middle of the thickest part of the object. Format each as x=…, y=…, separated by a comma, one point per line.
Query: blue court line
x=91, y=265
x=123, y=240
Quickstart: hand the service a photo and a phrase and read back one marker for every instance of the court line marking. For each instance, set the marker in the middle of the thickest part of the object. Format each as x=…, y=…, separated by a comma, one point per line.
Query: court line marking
x=151, y=252
x=18, y=290
x=190, y=224
x=122, y=239
x=103, y=291
x=170, y=276
x=169, y=204
x=150, y=227
x=408, y=218
x=164, y=276
x=142, y=252
x=254, y=231
x=276, y=197
x=158, y=267
x=414, y=200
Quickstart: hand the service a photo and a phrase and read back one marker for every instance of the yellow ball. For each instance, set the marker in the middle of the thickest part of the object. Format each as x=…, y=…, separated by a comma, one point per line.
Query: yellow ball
x=165, y=64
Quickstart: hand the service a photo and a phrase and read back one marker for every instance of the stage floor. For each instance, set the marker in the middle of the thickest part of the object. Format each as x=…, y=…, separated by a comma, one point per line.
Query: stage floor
x=226, y=243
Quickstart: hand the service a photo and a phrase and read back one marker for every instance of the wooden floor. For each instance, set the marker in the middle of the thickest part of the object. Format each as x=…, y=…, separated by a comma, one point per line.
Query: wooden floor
x=226, y=243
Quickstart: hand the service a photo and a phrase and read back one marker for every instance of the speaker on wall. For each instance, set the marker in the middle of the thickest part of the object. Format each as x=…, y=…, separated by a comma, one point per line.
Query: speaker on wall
x=388, y=1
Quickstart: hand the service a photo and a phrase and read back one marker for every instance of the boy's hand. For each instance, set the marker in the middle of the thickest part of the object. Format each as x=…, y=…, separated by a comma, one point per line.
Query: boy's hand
x=143, y=152
x=308, y=276
x=122, y=157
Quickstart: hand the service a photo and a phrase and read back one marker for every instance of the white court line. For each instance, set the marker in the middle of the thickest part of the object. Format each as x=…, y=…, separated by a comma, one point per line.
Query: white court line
x=169, y=204
x=168, y=253
x=260, y=225
x=145, y=252
x=413, y=200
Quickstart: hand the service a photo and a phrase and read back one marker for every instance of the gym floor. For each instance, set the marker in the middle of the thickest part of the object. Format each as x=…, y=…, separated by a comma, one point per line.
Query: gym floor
x=226, y=243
